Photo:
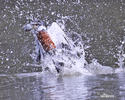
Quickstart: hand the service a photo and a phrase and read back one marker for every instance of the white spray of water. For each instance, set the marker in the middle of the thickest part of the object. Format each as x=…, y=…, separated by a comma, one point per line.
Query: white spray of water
x=121, y=57
x=96, y=68
x=67, y=57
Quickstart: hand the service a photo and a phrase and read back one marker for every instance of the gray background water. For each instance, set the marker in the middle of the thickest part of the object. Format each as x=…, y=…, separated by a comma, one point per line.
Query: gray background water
x=101, y=24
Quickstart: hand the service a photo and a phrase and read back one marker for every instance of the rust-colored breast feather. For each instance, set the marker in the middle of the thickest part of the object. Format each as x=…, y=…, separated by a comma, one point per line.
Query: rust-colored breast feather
x=46, y=41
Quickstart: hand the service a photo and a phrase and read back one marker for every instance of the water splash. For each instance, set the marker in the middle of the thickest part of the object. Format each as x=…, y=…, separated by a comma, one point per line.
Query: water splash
x=121, y=54
x=67, y=58
x=121, y=57
x=96, y=68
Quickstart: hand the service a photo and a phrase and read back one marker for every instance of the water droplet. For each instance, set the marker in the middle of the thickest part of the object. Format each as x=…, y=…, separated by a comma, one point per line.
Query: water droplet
x=8, y=67
x=52, y=13
x=7, y=59
x=11, y=52
x=17, y=8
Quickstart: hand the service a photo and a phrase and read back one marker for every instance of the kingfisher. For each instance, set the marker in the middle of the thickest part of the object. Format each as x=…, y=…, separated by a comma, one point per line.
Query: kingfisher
x=42, y=35
x=45, y=43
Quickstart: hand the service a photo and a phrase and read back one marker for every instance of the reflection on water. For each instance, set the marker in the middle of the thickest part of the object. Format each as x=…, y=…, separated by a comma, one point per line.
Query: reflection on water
x=36, y=86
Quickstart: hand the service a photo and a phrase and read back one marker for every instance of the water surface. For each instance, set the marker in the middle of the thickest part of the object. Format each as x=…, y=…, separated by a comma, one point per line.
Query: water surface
x=35, y=86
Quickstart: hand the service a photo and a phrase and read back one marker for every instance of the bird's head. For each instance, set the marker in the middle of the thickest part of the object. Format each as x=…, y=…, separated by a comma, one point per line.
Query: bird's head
x=38, y=26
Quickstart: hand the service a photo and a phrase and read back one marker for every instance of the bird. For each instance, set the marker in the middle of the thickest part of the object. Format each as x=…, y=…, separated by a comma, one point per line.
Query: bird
x=42, y=36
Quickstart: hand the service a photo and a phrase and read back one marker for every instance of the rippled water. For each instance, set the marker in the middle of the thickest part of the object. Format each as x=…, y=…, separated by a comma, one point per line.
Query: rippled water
x=35, y=86
x=101, y=25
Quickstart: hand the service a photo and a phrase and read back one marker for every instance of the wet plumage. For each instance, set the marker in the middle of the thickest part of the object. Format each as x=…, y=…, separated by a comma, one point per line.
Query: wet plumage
x=46, y=41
